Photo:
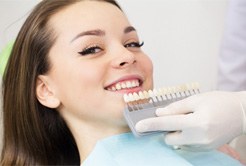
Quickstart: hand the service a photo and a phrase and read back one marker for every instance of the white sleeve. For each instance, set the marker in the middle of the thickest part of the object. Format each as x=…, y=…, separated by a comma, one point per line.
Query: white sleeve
x=232, y=58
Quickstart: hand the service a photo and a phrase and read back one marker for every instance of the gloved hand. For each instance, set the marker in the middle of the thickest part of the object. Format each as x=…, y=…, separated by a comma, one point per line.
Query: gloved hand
x=201, y=122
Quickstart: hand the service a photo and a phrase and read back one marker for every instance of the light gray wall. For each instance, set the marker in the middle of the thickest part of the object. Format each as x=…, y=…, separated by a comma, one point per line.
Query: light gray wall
x=181, y=36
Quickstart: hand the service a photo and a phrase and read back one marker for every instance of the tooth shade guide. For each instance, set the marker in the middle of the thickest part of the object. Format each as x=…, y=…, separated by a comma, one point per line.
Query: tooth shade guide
x=143, y=105
x=137, y=105
x=155, y=97
x=136, y=100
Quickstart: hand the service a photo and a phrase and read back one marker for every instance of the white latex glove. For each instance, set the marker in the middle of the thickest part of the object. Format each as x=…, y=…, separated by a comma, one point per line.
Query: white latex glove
x=202, y=122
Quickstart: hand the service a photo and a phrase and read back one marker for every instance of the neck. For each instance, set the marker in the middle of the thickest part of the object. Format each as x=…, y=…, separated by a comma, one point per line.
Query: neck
x=87, y=134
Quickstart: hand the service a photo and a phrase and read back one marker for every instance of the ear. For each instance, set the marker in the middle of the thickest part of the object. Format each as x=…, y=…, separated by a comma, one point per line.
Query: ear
x=44, y=93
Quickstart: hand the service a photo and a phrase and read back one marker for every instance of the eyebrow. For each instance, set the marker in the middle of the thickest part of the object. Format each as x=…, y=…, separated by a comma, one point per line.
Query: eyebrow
x=99, y=32
x=129, y=29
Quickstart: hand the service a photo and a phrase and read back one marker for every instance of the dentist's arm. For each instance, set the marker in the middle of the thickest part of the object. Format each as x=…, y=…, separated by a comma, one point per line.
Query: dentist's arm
x=204, y=121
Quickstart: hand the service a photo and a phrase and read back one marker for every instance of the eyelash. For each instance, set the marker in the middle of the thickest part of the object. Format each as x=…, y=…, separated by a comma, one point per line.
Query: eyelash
x=89, y=50
x=134, y=44
x=92, y=49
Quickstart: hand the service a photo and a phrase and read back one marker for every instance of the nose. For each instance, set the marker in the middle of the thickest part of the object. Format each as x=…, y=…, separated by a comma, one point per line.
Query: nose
x=123, y=59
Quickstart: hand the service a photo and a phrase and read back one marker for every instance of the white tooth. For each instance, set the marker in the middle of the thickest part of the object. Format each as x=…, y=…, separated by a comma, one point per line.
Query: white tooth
x=126, y=98
x=187, y=89
x=178, y=89
x=155, y=92
x=135, y=95
x=123, y=85
x=164, y=91
x=187, y=86
x=118, y=87
x=181, y=90
x=193, y=85
x=146, y=95
x=109, y=89
x=131, y=97
x=141, y=95
x=137, y=83
x=168, y=90
x=161, y=93
x=113, y=88
x=197, y=85
x=184, y=88
x=128, y=84
x=151, y=94
x=172, y=90
x=133, y=84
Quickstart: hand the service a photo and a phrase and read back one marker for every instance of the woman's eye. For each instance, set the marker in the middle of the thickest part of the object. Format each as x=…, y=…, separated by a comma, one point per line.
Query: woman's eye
x=134, y=44
x=90, y=50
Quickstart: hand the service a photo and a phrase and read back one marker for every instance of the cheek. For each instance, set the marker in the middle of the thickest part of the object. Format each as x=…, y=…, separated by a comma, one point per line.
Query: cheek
x=147, y=66
x=81, y=90
x=78, y=80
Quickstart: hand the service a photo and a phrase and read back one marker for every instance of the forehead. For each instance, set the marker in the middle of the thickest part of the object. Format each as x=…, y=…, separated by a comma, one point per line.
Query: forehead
x=86, y=15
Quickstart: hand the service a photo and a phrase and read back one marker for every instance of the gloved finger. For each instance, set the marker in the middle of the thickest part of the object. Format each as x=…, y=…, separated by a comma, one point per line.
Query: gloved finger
x=166, y=123
x=176, y=138
x=180, y=107
x=183, y=142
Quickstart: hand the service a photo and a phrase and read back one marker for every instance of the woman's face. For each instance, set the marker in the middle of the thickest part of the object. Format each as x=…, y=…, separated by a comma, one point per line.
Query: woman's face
x=95, y=59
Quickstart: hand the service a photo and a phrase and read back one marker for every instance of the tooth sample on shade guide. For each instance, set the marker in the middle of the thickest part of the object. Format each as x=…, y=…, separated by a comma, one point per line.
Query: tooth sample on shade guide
x=146, y=95
x=162, y=94
x=170, y=90
x=197, y=86
x=136, y=97
x=168, y=93
x=131, y=97
x=152, y=96
x=141, y=95
x=186, y=90
x=194, y=86
x=179, y=91
x=126, y=98
x=175, y=91
x=188, y=87
x=143, y=104
x=156, y=94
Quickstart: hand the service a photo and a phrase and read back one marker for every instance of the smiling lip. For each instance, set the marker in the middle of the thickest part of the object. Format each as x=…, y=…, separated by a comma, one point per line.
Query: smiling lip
x=126, y=84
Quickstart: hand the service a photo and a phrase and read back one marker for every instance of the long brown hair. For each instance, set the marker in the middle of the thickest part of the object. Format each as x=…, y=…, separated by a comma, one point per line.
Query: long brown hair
x=33, y=133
